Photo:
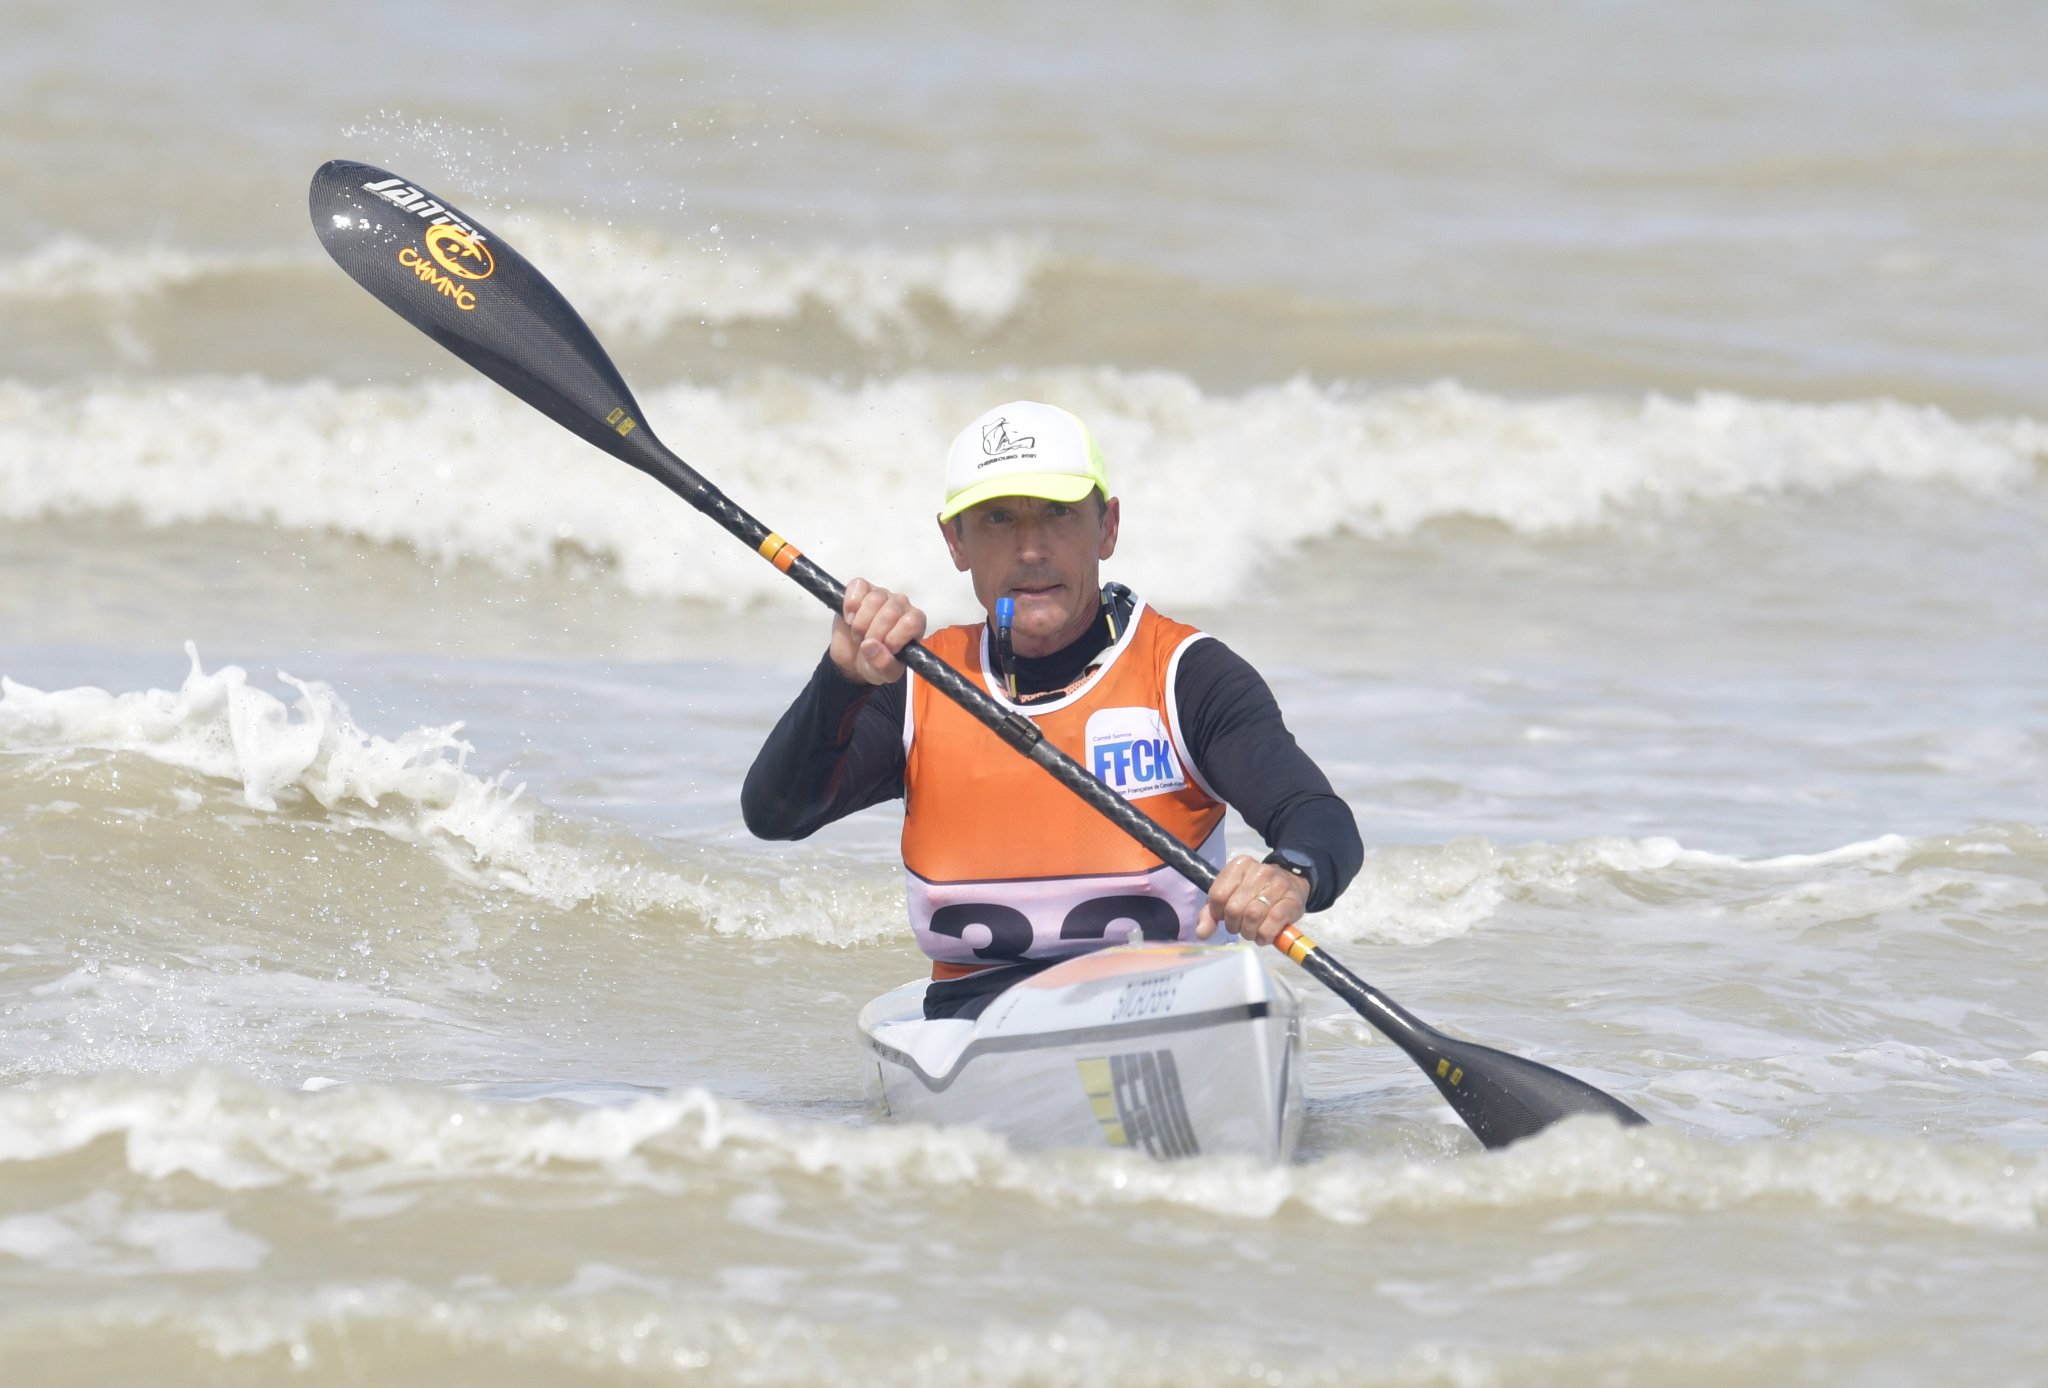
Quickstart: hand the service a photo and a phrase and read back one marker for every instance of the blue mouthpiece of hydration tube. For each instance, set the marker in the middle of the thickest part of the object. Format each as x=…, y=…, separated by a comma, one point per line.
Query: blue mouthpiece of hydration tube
x=1006, y=615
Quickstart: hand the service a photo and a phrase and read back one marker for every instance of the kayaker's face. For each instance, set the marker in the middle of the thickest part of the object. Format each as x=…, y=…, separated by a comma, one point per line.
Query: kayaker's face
x=1045, y=554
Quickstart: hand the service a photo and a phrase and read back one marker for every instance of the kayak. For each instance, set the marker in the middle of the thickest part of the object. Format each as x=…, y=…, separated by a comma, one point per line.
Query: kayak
x=1170, y=1049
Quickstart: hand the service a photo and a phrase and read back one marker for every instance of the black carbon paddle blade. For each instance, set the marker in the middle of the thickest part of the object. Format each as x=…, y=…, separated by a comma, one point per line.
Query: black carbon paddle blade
x=458, y=282
x=1502, y=1098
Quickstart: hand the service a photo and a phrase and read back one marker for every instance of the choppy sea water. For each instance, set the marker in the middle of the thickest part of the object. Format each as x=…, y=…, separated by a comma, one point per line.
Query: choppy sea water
x=1616, y=430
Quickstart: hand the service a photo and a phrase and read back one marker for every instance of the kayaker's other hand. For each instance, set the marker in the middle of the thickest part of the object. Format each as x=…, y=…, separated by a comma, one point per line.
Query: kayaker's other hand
x=1253, y=900
x=872, y=626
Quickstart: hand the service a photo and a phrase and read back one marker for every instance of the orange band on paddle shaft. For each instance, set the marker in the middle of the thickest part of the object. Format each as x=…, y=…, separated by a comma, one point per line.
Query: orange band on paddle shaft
x=943, y=972
x=779, y=552
x=1293, y=944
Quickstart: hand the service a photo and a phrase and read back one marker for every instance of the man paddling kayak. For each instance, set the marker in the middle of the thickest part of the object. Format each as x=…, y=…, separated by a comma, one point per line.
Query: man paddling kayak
x=1007, y=871
x=527, y=338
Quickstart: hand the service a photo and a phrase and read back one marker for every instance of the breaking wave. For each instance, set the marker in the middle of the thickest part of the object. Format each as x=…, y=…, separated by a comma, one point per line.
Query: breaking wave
x=359, y=1141
x=418, y=787
x=283, y=758
x=459, y=472
x=635, y=281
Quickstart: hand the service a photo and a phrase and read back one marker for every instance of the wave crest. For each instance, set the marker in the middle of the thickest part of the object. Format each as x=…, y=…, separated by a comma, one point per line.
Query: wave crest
x=359, y=1140
x=417, y=788
x=458, y=471
x=636, y=282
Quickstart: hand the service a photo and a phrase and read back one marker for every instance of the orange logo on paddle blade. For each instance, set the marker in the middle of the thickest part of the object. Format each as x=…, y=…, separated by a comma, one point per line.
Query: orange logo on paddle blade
x=459, y=252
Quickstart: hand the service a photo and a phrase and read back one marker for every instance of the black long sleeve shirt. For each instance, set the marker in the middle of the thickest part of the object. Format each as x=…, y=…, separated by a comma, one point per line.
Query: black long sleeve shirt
x=839, y=748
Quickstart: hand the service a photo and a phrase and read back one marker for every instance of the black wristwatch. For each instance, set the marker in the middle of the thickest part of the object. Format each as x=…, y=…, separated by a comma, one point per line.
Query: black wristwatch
x=1297, y=862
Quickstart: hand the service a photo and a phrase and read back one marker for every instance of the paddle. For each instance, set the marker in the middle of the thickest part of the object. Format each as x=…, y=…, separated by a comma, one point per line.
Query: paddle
x=460, y=284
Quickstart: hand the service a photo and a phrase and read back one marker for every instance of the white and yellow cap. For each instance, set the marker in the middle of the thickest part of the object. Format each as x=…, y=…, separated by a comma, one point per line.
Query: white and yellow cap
x=1023, y=449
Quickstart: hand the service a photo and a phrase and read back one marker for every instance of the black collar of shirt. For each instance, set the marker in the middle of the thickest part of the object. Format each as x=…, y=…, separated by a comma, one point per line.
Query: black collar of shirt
x=1047, y=674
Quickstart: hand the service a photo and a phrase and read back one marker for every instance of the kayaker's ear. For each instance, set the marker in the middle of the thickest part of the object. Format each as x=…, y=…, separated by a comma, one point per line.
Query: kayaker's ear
x=1112, y=518
x=951, y=530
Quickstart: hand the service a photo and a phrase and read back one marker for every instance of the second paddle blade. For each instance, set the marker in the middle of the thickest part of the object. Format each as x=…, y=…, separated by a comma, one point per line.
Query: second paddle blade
x=458, y=282
x=1504, y=1098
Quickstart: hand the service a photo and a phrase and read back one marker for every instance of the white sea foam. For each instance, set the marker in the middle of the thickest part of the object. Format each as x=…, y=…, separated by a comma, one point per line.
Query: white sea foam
x=660, y=1330
x=218, y=725
x=361, y=1142
x=101, y=1234
x=1420, y=894
x=457, y=470
x=416, y=787
x=634, y=281
x=71, y=268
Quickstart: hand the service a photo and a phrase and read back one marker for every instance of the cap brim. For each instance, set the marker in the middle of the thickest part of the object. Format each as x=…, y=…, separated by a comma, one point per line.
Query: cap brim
x=1047, y=486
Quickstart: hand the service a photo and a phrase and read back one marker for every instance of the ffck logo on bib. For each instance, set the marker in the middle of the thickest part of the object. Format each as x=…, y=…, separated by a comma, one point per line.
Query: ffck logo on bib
x=1129, y=751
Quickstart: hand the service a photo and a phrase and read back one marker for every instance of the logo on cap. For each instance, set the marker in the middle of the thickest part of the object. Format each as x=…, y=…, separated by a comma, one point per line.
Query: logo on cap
x=997, y=443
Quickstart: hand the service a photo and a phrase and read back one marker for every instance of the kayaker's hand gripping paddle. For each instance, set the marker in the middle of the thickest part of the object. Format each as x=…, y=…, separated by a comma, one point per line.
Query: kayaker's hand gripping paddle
x=459, y=283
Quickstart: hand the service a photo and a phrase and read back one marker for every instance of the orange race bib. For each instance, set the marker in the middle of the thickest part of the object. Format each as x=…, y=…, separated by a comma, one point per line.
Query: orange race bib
x=1002, y=862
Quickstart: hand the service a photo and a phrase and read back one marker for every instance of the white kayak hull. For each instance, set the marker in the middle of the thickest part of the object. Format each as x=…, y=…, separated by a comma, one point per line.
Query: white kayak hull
x=1174, y=1050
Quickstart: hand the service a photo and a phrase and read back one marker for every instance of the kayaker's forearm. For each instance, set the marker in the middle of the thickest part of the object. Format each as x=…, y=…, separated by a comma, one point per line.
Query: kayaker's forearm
x=837, y=749
x=1323, y=827
x=1242, y=746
